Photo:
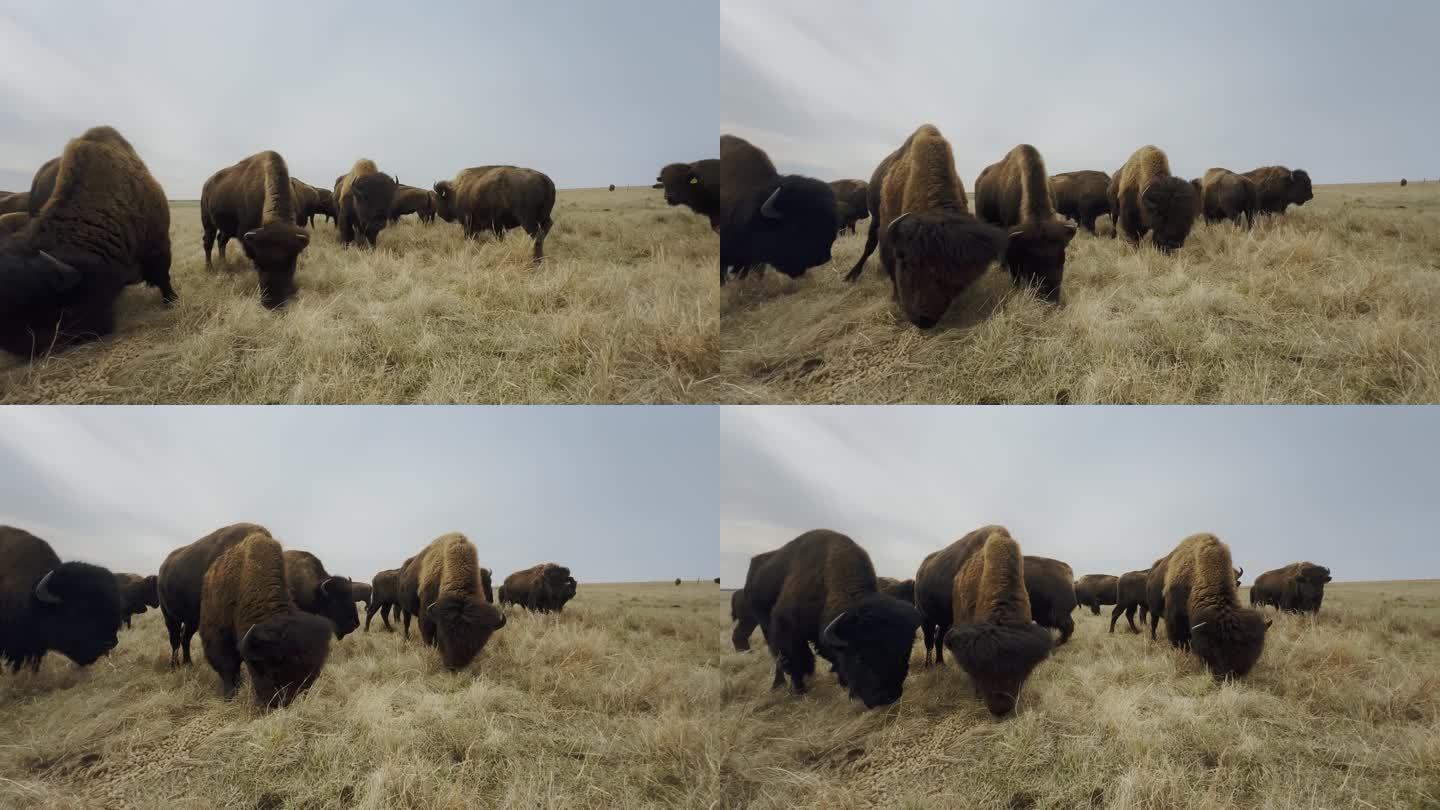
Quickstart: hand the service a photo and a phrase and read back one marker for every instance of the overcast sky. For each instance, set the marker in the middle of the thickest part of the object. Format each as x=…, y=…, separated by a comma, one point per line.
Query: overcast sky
x=618, y=494
x=1106, y=489
x=589, y=93
x=1344, y=90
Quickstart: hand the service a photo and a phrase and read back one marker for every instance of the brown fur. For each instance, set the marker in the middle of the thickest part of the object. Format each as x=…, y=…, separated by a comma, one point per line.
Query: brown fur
x=1276, y=187
x=453, y=613
x=1015, y=194
x=1296, y=588
x=12, y=202
x=13, y=222
x=1144, y=196
x=852, y=199
x=182, y=576
x=411, y=200
x=105, y=226
x=939, y=249
x=247, y=616
x=254, y=201
x=363, y=199
x=1083, y=196
x=1094, y=590
x=362, y=592
x=1051, y=584
x=1130, y=595
x=1200, y=602
x=384, y=596
x=316, y=591
x=694, y=185
x=498, y=198
x=1225, y=195
x=43, y=185
x=137, y=593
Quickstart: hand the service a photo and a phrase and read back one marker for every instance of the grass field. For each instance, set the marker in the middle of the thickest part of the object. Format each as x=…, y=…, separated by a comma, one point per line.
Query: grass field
x=623, y=310
x=1342, y=711
x=1337, y=301
x=607, y=705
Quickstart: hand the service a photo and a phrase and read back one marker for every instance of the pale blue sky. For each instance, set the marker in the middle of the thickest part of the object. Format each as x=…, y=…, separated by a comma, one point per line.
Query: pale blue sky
x=590, y=93
x=616, y=493
x=1106, y=489
x=1344, y=90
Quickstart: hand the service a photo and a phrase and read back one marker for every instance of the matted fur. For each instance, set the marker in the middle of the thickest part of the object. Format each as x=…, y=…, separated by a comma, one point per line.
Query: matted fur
x=363, y=200
x=1130, y=596
x=316, y=591
x=1225, y=195
x=83, y=626
x=182, y=577
x=1201, y=606
x=255, y=201
x=495, y=199
x=451, y=608
x=694, y=185
x=1051, y=584
x=1145, y=196
x=1094, y=590
x=1015, y=194
x=1083, y=196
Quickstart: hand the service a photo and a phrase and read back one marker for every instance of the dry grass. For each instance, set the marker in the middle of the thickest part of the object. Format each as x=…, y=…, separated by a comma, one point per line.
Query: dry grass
x=624, y=310
x=1338, y=301
x=606, y=705
x=1343, y=711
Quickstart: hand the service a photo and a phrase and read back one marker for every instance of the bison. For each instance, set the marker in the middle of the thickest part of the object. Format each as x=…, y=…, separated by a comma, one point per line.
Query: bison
x=498, y=198
x=182, y=575
x=544, y=587
x=362, y=592
x=851, y=202
x=13, y=202
x=902, y=589
x=72, y=608
x=693, y=185
x=384, y=596
x=137, y=593
x=1051, y=585
x=106, y=225
x=305, y=197
x=1296, y=588
x=411, y=200
x=441, y=587
x=315, y=591
x=745, y=621
x=1083, y=196
x=247, y=616
x=1130, y=595
x=324, y=204
x=930, y=245
x=1094, y=590
x=1225, y=195
x=254, y=200
x=786, y=221
x=973, y=600
x=1015, y=194
x=1194, y=588
x=363, y=200
x=612, y=186
x=821, y=589
x=1276, y=187
x=1144, y=196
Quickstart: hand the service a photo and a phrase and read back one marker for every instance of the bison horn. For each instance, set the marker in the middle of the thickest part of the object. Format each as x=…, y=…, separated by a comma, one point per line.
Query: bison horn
x=245, y=638
x=1017, y=232
x=896, y=221
x=42, y=590
x=768, y=210
x=1240, y=574
x=1197, y=627
x=59, y=265
x=829, y=636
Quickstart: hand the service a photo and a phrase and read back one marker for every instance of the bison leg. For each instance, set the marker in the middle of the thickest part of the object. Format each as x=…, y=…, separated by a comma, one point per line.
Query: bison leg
x=1144, y=614
x=174, y=626
x=370, y=611
x=406, y=615
x=209, y=241
x=1154, y=621
x=940, y=631
x=872, y=238
x=1095, y=607
x=1177, y=626
x=1115, y=617
x=1066, y=625
x=1130, y=617
x=155, y=270
x=793, y=653
x=539, y=234
x=385, y=615
x=928, y=631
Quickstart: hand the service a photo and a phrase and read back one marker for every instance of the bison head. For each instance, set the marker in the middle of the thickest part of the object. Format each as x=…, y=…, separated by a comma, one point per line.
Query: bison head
x=275, y=248
x=1169, y=207
x=336, y=600
x=463, y=626
x=1228, y=641
x=1035, y=253
x=1306, y=589
x=374, y=196
x=1300, y=190
x=285, y=655
x=445, y=200
x=77, y=611
x=794, y=225
x=998, y=658
x=870, y=643
x=44, y=299
x=677, y=179
x=935, y=257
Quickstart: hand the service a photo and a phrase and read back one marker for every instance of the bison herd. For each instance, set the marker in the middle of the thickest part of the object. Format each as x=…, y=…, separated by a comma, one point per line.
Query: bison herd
x=993, y=608
x=933, y=247
x=270, y=612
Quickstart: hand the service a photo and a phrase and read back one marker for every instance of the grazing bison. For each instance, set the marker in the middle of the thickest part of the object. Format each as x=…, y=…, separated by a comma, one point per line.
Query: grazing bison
x=1051, y=585
x=324, y=204
x=693, y=185
x=305, y=197
x=449, y=601
x=1276, y=187
x=1094, y=590
x=973, y=600
x=12, y=202
x=496, y=199
x=1130, y=595
x=137, y=593
x=411, y=200
x=1194, y=588
x=851, y=202
x=1015, y=194
x=106, y=225
x=1225, y=195
x=930, y=245
x=786, y=221
x=384, y=595
x=544, y=587
x=247, y=616
x=315, y=591
x=820, y=588
x=182, y=575
x=72, y=608
x=1296, y=588
x=1144, y=196
x=1083, y=196
x=363, y=199
x=13, y=222
x=744, y=619
x=254, y=200
x=362, y=592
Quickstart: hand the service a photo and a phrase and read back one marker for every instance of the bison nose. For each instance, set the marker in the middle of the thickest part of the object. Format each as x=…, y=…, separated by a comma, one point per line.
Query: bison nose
x=1000, y=703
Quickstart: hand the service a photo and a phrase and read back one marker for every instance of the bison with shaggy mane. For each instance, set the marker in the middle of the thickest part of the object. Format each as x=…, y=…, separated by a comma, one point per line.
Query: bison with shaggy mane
x=182, y=577
x=786, y=221
x=1194, y=588
x=1296, y=588
x=72, y=608
x=1083, y=196
x=254, y=201
x=1015, y=194
x=315, y=591
x=693, y=185
x=441, y=586
x=1051, y=585
x=363, y=199
x=1145, y=196
x=498, y=198
x=1277, y=187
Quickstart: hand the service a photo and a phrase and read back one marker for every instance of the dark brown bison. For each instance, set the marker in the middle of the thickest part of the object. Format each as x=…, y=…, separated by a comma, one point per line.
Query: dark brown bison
x=612, y=186
x=305, y=198
x=1130, y=596
x=247, y=617
x=13, y=222
x=411, y=200
x=1404, y=182
x=1051, y=585
x=72, y=608
x=902, y=589
x=1094, y=590
x=930, y=245
x=106, y=226
x=1276, y=187
x=363, y=199
x=821, y=589
x=254, y=201
x=1194, y=588
x=315, y=591
x=744, y=619
x=324, y=204
x=1083, y=196
x=786, y=221
x=852, y=202
x=441, y=587
x=384, y=596
x=1144, y=196
x=677, y=582
x=137, y=593
x=1015, y=194
x=693, y=185
x=496, y=199
x=1296, y=588
x=544, y=587
x=15, y=202
x=973, y=600
x=182, y=575
x=1225, y=195
x=362, y=592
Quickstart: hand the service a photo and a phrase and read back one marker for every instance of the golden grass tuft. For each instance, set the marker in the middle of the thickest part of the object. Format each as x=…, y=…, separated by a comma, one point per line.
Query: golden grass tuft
x=623, y=310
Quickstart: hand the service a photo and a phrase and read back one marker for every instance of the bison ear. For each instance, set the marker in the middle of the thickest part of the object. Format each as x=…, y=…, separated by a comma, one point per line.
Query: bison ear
x=834, y=634
x=441, y=187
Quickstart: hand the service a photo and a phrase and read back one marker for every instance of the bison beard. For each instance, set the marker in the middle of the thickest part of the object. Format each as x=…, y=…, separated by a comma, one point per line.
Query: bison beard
x=999, y=658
